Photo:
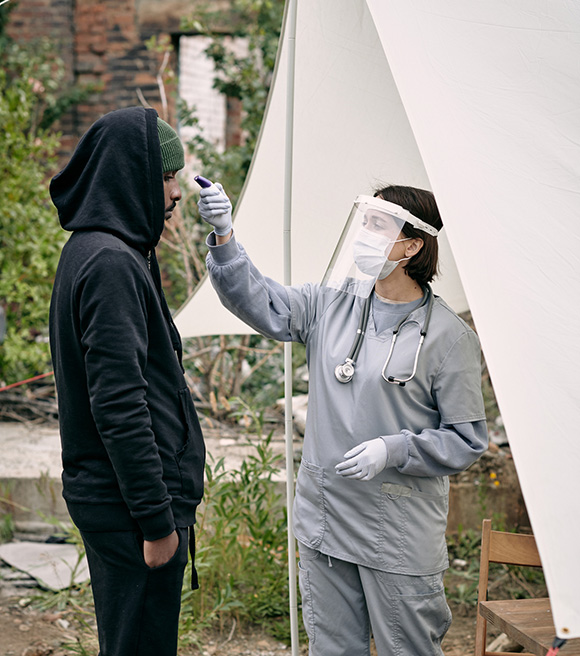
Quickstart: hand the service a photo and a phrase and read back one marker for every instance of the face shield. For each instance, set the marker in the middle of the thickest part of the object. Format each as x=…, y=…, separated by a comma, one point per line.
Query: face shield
x=372, y=229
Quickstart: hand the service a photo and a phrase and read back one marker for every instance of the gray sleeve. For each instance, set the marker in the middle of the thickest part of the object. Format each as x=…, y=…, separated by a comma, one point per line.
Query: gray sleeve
x=259, y=301
x=462, y=436
x=443, y=451
x=457, y=385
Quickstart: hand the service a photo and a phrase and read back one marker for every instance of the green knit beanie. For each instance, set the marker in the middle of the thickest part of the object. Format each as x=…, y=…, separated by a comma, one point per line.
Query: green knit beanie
x=172, y=155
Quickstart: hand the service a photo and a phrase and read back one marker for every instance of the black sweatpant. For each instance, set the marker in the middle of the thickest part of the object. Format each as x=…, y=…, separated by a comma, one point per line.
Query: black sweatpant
x=137, y=607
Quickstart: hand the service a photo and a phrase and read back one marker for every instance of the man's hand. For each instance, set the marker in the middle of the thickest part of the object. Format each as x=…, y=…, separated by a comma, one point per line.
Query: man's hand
x=365, y=461
x=158, y=552
x=216, y=209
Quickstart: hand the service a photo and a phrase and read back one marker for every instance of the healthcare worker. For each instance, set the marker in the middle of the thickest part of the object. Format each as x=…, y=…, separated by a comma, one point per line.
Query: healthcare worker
x=395, y=407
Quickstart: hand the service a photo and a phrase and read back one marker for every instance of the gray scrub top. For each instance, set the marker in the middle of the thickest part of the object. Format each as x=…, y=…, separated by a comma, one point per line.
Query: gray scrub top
x=433, y=427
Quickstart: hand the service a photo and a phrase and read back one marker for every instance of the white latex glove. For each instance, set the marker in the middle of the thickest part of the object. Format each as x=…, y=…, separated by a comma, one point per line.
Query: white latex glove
x=365, y=461
x=215, y=208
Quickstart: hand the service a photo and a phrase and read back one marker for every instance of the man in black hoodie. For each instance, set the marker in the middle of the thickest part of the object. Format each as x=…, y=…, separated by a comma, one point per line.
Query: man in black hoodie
x=132, y=448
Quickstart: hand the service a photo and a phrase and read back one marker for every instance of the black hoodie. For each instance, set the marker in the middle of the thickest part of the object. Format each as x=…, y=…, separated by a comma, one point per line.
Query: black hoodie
x=133, y=453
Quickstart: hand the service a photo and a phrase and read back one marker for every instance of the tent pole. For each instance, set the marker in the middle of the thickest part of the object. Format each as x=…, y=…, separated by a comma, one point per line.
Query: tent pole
x=288, y=428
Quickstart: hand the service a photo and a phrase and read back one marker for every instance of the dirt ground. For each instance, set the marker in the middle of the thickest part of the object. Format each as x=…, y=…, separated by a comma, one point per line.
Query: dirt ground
x=25, y=631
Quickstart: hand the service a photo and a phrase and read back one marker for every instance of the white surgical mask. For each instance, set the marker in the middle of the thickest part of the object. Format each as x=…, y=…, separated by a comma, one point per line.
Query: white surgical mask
x=390, y=266
x=369, y=254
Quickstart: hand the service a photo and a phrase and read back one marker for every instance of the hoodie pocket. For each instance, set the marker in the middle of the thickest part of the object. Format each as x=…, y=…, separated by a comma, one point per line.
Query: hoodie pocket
x=191, y=457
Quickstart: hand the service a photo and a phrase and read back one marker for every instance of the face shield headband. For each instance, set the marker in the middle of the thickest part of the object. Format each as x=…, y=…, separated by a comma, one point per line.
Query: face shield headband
x=398, y=212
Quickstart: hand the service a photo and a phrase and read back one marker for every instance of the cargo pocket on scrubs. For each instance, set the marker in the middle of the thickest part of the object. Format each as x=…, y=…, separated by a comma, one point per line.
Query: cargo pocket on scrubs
x=309, y=510
x=419, y=616
x=412, y=530
x=307, y=555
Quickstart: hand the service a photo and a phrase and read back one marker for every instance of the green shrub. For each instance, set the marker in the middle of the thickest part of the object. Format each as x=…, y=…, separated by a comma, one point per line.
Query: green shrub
x=224, y=366
x=30, y=236
x=241, y=550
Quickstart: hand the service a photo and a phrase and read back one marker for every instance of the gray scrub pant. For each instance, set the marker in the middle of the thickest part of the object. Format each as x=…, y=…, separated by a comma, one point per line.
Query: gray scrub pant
x=342, y=603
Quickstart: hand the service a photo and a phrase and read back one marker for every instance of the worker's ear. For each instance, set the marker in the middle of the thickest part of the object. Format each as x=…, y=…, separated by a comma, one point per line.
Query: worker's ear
x=413, y=247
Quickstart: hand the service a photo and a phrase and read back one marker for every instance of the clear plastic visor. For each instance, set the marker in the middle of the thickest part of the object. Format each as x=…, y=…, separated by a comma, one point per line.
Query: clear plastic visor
x=364, y=246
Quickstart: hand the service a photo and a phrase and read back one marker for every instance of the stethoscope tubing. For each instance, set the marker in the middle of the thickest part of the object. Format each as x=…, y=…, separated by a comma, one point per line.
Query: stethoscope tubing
x=345, y=372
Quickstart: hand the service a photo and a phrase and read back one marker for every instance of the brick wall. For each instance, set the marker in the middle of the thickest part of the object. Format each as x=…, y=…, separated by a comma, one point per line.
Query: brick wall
x=52, y=19
x=101, y=44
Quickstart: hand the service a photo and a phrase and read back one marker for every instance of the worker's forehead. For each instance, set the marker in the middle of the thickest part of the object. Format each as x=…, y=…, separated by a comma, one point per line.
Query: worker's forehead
x=383, y=219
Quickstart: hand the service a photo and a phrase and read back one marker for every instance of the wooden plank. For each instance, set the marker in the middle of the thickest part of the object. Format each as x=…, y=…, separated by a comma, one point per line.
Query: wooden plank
x=529, y=622
x=514, y=548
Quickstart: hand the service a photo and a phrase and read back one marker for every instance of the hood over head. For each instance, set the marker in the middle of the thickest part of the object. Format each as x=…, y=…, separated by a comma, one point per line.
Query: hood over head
x=114, y=180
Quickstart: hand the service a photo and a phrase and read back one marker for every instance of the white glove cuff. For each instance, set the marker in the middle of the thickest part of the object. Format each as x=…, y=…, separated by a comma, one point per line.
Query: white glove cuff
x=222, y=232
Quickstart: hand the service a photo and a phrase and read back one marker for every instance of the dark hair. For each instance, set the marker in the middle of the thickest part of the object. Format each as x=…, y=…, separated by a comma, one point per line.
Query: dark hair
x=424, y=266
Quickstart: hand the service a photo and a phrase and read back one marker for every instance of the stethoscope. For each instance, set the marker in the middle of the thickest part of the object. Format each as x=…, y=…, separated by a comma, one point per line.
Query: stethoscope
x=345, y=372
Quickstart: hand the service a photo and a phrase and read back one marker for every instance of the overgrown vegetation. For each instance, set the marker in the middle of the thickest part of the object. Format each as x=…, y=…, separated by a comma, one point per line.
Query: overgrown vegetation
x=241, y=552
x=241, y=555
x=246, y=77
x=30, y=239
x=223, y=367
x=31, y=99
x=242, y=563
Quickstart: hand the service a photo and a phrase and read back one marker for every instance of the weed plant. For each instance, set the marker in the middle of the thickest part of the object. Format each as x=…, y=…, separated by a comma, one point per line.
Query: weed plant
x=6, y=527
x=6, y=514
x=241, y=550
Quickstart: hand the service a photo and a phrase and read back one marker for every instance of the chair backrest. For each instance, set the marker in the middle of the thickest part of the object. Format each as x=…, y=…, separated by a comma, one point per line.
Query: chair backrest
x=513, y=549
x=505, y=548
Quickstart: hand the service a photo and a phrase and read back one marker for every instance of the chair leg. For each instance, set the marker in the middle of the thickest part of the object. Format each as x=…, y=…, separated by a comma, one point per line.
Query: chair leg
x=480, y=634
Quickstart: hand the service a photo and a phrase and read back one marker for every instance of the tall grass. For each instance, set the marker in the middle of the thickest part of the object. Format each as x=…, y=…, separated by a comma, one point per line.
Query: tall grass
x=241, y=550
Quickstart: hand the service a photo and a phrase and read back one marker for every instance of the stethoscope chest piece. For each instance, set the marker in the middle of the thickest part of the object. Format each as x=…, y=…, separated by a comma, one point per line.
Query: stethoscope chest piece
x=344, y=372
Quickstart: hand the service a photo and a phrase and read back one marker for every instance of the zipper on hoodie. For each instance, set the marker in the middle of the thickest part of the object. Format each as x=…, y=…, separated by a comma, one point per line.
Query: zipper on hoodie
x=149, y=260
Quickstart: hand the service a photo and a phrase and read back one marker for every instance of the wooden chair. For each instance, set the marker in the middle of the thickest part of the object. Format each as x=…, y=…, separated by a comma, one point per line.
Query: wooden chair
x=509, y=549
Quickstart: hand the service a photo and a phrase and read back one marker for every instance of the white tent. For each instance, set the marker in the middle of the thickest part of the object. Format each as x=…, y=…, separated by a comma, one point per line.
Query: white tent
x=351, y=132
x=481, y=102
